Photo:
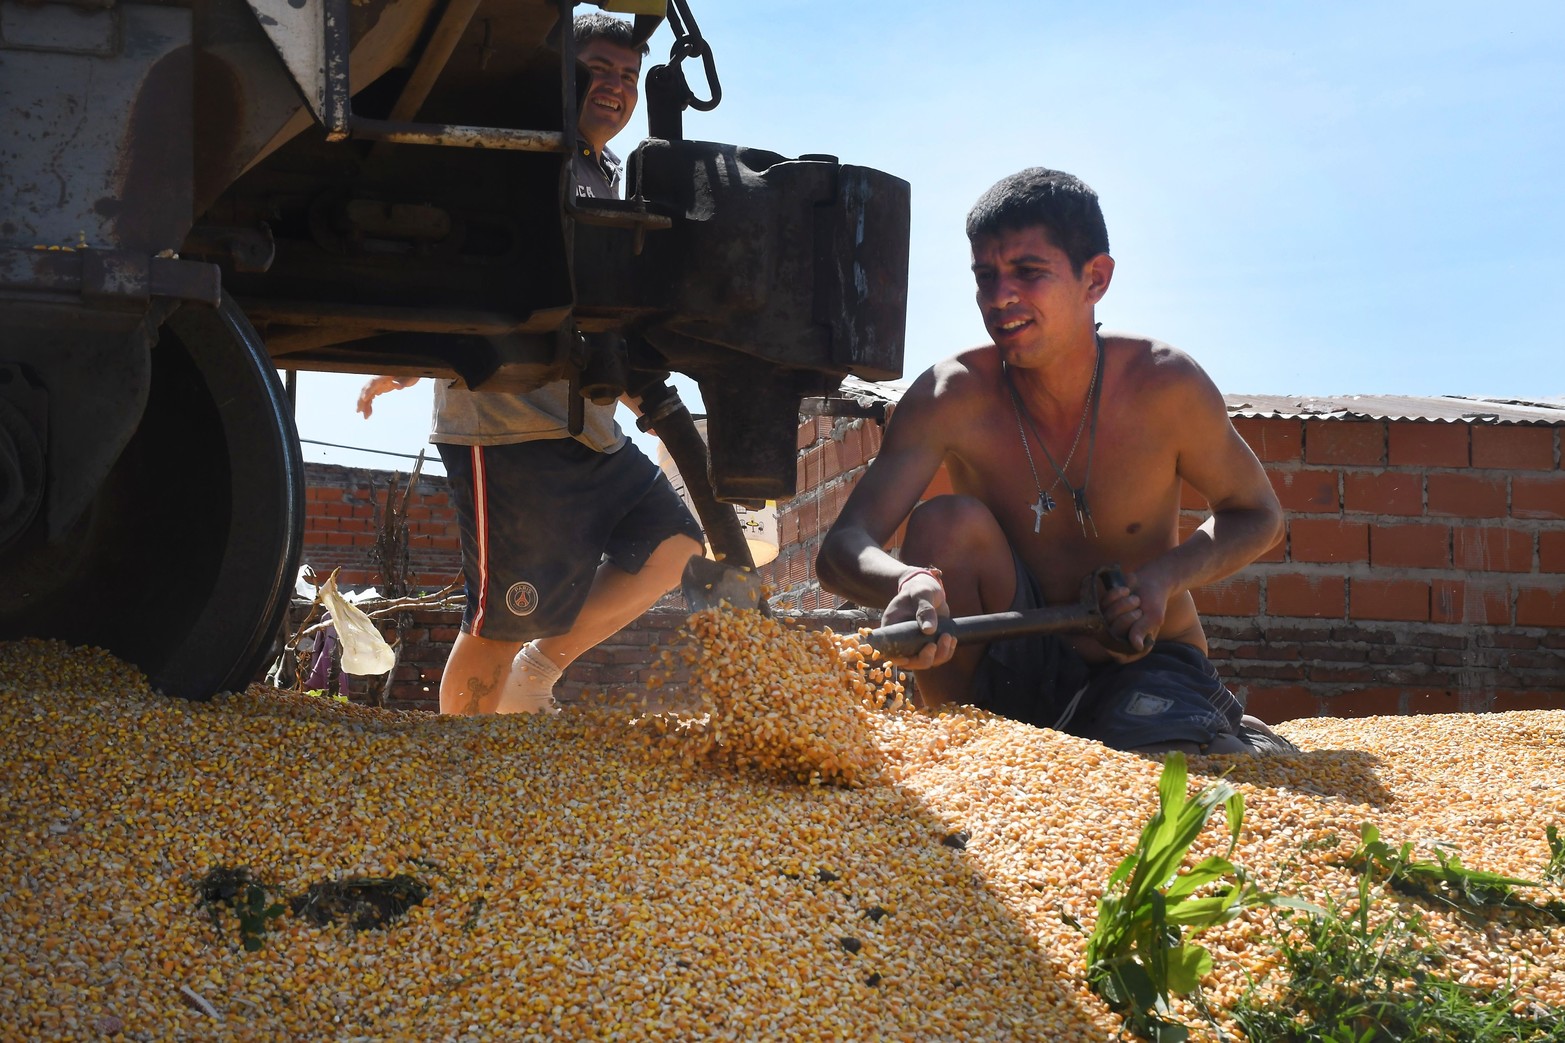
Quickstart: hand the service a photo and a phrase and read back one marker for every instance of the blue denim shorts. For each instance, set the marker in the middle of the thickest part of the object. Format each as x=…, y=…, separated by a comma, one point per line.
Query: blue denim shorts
x=1171, y=694
x=537, y=519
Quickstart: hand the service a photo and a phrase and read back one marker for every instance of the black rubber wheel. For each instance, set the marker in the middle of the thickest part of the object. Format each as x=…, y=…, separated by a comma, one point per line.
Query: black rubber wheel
x=186, y=560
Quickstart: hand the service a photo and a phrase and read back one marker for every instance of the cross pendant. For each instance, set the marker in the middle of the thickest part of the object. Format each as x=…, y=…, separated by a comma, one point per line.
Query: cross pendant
x=1044, y=505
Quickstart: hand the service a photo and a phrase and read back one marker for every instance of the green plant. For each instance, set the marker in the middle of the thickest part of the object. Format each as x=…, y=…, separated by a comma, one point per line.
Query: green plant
x=1137, y=956
x=1443, y=878
x=247, y=897
x=1348, y=982
x=1554, y=872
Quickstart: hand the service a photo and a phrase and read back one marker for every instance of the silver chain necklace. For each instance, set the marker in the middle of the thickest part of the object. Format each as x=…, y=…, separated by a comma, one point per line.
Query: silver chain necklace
x=1045, y=502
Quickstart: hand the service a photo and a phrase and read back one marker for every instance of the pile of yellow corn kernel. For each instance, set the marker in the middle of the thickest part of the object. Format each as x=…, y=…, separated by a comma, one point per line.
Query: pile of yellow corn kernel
x=584, y=885
x=757, y=680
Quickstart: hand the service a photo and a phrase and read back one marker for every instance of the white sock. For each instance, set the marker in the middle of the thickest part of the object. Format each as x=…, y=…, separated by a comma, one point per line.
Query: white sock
x=530, y=686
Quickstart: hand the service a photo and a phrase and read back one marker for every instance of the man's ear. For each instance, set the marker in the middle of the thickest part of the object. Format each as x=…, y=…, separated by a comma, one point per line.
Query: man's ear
x=1097, y=273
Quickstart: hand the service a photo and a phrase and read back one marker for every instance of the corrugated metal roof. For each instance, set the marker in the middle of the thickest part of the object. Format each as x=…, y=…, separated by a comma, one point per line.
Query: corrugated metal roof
x=1547, y=411
x=1448, y=408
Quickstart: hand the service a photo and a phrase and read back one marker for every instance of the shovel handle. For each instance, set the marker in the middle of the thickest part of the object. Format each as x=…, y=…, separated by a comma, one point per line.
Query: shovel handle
x=899, y=640
x=906, y=638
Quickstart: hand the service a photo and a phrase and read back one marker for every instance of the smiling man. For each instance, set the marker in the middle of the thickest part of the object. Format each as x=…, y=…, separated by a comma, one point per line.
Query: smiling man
x=606, y=46
x=1066, y=452
x=565, y=538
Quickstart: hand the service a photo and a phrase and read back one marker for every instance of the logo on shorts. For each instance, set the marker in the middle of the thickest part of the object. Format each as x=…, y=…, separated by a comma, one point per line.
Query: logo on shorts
x=521, y=599
x=1144, y=705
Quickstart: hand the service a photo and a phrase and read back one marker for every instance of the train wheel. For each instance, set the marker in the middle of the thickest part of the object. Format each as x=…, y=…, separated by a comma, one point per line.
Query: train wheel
x=185, y=561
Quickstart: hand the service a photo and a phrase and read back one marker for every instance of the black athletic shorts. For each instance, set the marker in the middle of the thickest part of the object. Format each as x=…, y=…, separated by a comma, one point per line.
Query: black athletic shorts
x=537, y=519
x=1171, y=694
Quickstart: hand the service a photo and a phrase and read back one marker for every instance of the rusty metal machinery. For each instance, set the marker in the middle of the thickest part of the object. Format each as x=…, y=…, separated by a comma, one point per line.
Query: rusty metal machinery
x=196, y=193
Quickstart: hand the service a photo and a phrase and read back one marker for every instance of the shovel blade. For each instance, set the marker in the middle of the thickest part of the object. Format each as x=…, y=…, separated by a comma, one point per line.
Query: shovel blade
x=709, y=584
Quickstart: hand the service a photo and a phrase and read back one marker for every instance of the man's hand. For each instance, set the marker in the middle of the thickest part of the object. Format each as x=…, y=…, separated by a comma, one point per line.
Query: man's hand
x=1134, y=612
x=378, y=386
x=922, y=596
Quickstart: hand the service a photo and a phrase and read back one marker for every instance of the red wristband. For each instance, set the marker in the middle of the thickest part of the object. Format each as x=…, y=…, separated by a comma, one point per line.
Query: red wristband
x=920, y=571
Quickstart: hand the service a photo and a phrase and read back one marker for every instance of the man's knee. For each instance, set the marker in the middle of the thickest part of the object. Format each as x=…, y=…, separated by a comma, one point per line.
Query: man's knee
x=952, y=517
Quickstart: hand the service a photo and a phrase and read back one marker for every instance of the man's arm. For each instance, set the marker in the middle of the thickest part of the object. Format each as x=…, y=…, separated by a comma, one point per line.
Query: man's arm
x=377, y=386
x=1246, y=517
x=852, y=562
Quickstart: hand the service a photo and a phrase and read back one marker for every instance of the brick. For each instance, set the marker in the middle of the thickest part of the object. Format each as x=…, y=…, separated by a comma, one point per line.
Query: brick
x=1383, y=492
x=1344, y=442
x=1343, y=673
x=939, y=485
x=1282, y=703
x=811, y=468
x=1504, y=701
x=1541, y=607
x=1327, y=540
x=787, y=527
x=1267, y=670
x=1306, y=491
x=807, y=516
x=1190, y=500
x=1298, y=632
x=1551, y=551
x=1272, y=439
x=1277, y=552
x=1513, y=447
x=1538, y=497
x=1399, y=599
x=873, y=435
x=1466, y=495
x=1318, y=597
x=1434, y=700
x=1483, y=602
x=1503, y=639
x=1491, y=549
x=1234, y=596
x=1412, y=546
x=1428, y=443
x=1364, y=702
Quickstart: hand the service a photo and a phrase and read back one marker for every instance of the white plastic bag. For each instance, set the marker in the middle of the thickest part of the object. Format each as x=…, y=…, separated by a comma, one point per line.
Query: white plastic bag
x=364, y=652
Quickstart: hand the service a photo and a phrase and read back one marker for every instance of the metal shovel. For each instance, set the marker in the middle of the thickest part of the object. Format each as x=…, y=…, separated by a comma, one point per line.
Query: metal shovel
x=708, y=584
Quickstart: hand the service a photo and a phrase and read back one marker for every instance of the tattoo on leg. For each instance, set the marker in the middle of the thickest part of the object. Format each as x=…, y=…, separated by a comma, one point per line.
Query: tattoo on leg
x=477, y=689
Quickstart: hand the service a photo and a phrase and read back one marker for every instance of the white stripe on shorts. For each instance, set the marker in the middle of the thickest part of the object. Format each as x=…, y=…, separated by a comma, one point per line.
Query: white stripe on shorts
x=480, y=536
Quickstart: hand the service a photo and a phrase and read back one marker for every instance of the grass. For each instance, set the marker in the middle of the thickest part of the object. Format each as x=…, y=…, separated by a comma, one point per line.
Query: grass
x=1342, y=979
x=1348, y=982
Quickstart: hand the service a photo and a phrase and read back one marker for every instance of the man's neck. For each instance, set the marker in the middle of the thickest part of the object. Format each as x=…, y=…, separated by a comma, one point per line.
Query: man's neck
x=1059, y=379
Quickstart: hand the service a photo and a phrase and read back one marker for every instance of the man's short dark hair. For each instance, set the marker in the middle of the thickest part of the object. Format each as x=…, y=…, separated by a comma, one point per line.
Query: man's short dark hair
x=1061, y=203
x=599, y=26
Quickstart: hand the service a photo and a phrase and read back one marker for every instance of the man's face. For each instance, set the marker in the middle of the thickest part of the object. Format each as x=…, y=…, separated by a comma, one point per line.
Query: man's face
x=1028, y=294
x=611, y=97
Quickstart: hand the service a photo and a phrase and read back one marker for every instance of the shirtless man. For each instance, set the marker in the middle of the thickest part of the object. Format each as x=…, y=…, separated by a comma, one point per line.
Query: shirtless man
x=1066, y=452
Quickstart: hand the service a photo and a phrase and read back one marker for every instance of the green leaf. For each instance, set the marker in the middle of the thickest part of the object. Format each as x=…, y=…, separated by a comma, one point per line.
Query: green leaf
x=1199, y=875
x=1187, y=965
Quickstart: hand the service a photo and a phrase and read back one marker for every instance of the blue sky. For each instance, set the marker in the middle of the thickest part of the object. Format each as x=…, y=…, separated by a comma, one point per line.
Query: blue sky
x=1308, y=197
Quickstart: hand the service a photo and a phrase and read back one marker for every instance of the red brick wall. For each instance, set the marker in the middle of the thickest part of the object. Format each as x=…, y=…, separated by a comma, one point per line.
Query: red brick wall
x=342, y=512
x=1422, y=570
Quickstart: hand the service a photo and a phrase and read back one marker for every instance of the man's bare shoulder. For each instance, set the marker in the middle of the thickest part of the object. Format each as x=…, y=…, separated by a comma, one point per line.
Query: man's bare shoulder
x=958, y=380
x=1156, y=370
